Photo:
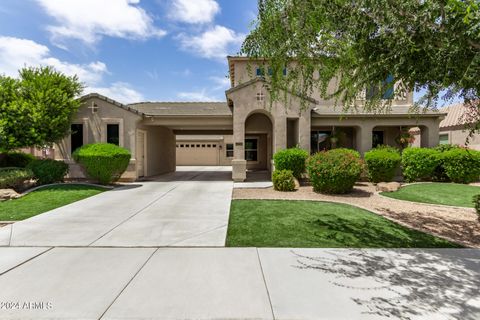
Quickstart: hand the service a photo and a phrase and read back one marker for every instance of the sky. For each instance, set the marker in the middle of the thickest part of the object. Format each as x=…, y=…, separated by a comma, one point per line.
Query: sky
x=129, y=50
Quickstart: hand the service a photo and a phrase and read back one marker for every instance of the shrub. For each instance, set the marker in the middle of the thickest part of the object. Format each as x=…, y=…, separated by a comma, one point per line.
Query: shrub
x=382, y=163
x=14, y=178
x=476, y=202
x=103, y=161
x=283, y=180
x=439, y=173
x=292, y=159
x=334, y=171
x=15, y=159
x=419, y=163
x=461, y=165
x=48, y=171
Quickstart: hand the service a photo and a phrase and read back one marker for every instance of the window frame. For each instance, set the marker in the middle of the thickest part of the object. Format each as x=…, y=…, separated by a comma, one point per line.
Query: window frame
x=251, y=150
x=228, y=150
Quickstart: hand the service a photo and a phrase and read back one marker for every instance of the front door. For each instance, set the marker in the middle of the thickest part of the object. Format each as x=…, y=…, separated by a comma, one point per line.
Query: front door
x=140, y=146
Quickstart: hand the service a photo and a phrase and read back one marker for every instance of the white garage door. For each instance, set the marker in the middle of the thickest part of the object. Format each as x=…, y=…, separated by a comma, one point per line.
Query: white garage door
x=197, y=154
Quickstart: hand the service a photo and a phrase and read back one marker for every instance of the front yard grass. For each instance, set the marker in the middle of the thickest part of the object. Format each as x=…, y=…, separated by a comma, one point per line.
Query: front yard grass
x=305, y=224
x=45, y=199
x=452, y=194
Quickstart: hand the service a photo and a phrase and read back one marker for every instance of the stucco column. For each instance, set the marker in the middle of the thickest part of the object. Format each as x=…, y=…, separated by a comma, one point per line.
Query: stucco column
x=280, y=128
x=364, y=138
x=304, y=128
x=239, y=164
x=429, y=134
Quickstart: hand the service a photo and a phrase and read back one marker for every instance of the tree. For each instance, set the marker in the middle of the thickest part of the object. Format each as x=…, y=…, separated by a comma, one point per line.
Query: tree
x=430, y=45
x=36, y=109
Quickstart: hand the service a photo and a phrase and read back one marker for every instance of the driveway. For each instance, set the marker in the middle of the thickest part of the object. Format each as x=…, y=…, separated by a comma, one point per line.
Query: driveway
x=187, y=208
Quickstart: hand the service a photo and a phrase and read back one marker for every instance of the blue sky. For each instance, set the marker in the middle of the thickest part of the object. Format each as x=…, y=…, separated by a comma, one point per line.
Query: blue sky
x=129, y=50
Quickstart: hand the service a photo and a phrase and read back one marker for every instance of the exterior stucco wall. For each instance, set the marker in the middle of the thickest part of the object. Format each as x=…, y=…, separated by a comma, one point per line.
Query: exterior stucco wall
x=458, y=135
x=160, y=150
x=95, y=130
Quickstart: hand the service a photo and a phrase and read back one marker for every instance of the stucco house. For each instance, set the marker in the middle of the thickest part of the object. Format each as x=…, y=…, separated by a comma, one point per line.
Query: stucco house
x=244, y=131
x=453, y=130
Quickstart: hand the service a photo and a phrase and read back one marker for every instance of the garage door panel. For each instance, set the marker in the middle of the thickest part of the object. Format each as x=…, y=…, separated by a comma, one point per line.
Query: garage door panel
x=203, y=154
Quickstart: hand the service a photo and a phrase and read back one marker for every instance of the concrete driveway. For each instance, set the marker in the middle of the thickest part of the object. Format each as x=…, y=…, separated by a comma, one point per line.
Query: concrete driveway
x=187, y=208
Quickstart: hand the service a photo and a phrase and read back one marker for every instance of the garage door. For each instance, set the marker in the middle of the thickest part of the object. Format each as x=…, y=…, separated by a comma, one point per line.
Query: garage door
x=197, y=154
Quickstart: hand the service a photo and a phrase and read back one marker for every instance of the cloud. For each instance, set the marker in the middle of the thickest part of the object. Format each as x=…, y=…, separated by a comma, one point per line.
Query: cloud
x=215, y=43
x=119, y=91
x=201, y=96
x=16, y=53
x=89, y=20
x=221, y=83
x=193, y=11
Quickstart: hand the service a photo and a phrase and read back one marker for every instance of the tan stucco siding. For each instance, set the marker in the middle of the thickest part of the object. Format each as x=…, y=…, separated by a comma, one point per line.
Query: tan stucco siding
x=458, y=135
x=160, y=153
x=95, y=130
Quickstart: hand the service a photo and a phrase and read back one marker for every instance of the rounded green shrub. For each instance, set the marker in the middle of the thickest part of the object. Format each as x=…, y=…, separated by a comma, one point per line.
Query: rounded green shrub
x=292, y=159
x=382, y=163
x=14, y=178
x=439, y=174
x=48, y=171
x=15, y=159
x=334, y=171
x=103, y=162
x=419, y=163
x=283, y=180
x=461, y=165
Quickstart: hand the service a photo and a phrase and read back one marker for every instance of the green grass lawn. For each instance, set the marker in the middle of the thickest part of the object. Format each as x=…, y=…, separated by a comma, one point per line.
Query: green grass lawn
x=45, y=199
x=304, y=224
x=437, y=193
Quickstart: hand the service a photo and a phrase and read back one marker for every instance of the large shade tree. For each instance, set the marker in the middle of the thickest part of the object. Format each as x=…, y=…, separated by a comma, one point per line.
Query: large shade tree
x=431, y=46
x=37, y=107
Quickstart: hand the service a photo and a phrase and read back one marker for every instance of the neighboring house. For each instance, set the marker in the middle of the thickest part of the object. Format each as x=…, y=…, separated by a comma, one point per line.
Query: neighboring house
x=453, y=128
x=244, y=131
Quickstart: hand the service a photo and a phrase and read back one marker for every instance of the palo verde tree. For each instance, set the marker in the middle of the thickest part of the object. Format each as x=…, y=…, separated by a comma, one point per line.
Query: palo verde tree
x=432, y=46
x=37, y=107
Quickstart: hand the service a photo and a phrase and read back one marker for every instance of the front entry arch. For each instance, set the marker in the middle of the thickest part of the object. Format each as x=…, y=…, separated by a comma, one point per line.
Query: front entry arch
x=258, y=141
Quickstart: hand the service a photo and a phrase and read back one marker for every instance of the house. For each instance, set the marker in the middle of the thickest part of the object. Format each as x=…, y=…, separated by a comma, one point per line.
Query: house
x=453, y=128
x=244, y=131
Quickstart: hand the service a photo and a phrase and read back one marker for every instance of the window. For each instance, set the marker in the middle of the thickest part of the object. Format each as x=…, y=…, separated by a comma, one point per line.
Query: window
x=203, y=146
x=76, y=137
x=177, y=145
x=181, y=146
x=387, y=87
x=229, y=150
x=261, y=72
x=251, y=149
x=214, y=145
x=377, y=138
x=260, y=96
x=198, y=146
x=113, y=136
x=444, y=138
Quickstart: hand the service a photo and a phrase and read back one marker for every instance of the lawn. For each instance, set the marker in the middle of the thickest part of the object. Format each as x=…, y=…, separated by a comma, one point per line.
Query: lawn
x=437, y=193
x=304, y=224
x=45, y=199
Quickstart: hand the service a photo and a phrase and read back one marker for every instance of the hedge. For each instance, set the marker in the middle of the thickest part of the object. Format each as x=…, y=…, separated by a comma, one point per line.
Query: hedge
x=476, y=202
x=382, y=163
x=461, y=165
x=419, y=163
x=292, y=159
x=14, y=178
x=48, y=171
x=334, y=171
x=15, y=159
x=283, y=180
x=103, y=162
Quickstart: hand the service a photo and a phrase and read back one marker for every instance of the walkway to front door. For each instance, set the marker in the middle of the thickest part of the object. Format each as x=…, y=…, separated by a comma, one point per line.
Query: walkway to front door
x=187, y=208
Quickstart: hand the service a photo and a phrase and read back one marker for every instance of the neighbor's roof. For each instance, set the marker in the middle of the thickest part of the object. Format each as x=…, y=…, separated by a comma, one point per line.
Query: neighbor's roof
x=393, y=111
x=454, y=116
x=182, y=108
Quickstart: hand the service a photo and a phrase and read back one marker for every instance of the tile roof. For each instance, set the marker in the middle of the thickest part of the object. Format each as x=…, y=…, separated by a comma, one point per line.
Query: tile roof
x=182, y=108
x=392, y=111
x=454, y=116
x=107, y=99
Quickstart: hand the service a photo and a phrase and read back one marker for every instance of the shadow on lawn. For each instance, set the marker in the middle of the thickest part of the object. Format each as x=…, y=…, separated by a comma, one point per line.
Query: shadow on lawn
x=442, y=282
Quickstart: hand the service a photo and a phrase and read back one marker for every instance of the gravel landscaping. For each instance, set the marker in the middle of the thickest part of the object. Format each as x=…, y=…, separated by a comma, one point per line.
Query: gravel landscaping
x=456, y=224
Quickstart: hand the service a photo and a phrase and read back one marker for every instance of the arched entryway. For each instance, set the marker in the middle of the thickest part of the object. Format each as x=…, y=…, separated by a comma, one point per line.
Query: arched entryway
x=258, y=141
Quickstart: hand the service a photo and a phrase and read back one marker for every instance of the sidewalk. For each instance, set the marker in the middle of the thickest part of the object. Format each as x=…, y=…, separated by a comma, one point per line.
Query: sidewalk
x=238, y=283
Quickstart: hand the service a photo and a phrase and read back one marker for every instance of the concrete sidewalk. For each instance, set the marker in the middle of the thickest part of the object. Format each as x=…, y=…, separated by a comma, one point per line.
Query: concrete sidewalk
x=187, y=208
x=238, y=283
